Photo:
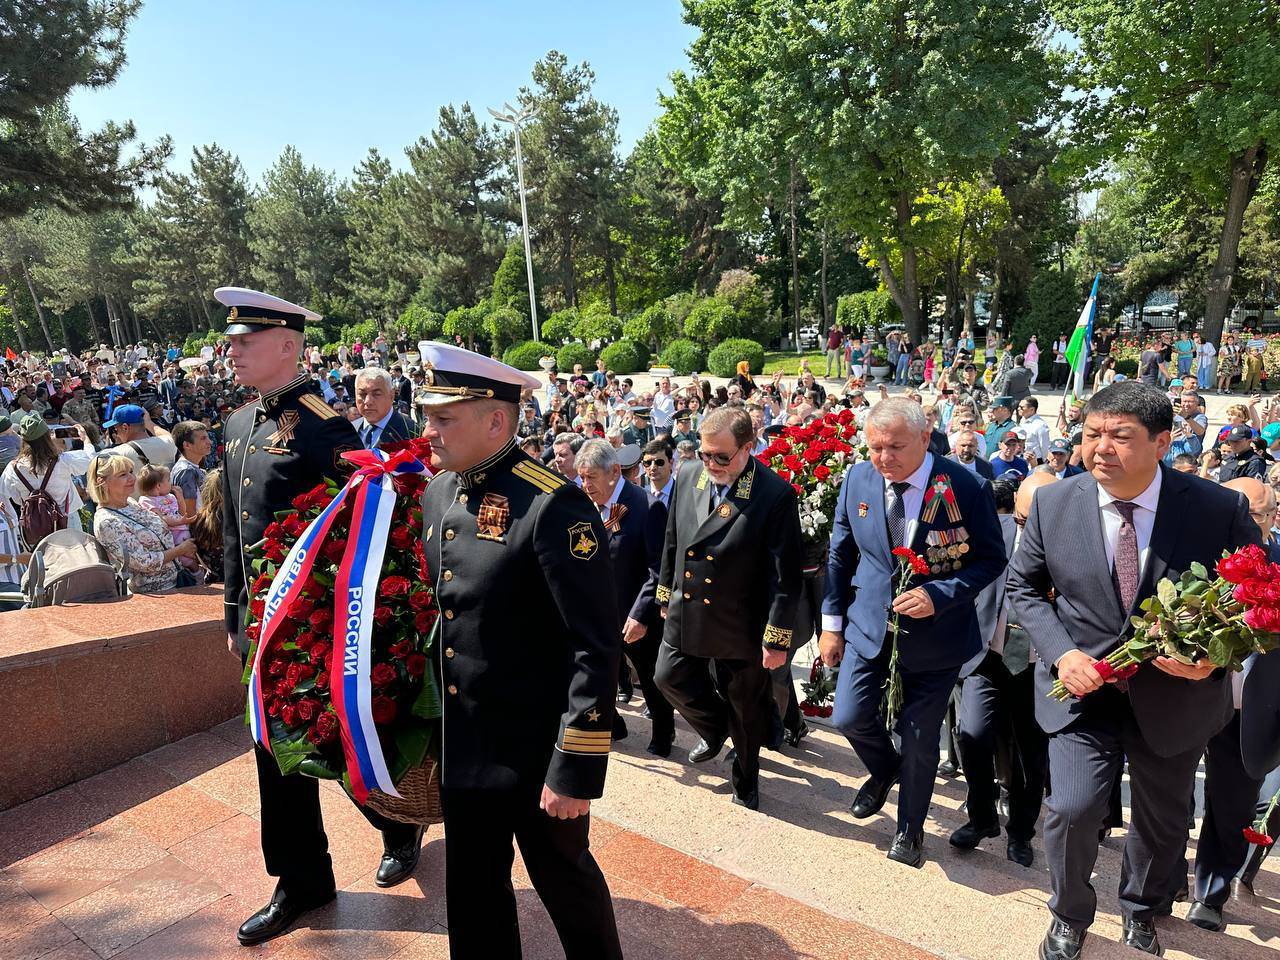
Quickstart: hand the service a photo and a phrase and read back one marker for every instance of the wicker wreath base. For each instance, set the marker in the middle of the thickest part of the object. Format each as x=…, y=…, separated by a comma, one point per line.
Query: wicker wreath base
x=419, y=800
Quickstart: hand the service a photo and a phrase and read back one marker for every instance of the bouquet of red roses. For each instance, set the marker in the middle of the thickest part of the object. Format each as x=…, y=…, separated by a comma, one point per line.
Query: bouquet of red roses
x=1221, y=619
x=819, y=690
x=342, y=622
x=814, y=459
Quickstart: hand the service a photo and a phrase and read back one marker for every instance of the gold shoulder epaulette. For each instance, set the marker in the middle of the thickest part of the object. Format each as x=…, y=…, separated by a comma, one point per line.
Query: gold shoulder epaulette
x=538, y=475
x=317, y=406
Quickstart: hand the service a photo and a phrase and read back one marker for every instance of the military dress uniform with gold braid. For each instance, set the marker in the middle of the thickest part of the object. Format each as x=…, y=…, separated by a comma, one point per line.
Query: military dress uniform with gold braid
x=731, y=577
x=529, y=650
x=278, y=447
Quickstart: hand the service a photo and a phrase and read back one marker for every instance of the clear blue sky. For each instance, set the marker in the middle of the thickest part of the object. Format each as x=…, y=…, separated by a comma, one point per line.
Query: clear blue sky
x=335, y=78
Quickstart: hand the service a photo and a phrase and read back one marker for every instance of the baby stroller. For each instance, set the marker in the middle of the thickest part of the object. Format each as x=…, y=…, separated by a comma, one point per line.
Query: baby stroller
x=69, y=566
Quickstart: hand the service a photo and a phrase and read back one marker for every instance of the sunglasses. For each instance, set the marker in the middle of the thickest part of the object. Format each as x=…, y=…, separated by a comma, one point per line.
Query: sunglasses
x=655, y=462
x=720, y=459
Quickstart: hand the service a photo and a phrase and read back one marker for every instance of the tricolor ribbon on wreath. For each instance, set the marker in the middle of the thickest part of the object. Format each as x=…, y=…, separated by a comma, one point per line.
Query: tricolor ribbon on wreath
x=356, y=587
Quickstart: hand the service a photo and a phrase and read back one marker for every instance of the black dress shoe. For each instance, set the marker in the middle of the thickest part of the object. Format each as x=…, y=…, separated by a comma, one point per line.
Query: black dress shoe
x=1242, y=891
x=1020, y=852
x=1205, y=916
x=1183, y=892
x=1141, y=935
x=705, y=751
x=907, y=849
x=793, y=737
x=871, y=797
x=659, y=748
x=948, y=768
x=624, y=696
x=278, y=916
x=1061, y=942
x=398, y=864
x=970, y=835
x=750, y=800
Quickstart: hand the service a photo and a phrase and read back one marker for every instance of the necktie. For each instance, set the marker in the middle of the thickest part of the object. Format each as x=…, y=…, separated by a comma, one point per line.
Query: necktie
x=897, y=513
x=1126, y=567
x=717, y=495
x=368, y=437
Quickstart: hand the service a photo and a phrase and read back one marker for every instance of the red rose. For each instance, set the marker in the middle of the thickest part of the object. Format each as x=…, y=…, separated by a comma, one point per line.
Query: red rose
x=333, y=549
x=261, y=584
x=416, y=665
x=402, y=538
x=273, y=706
x=1257, y=838
x=275, y=551
x=821, y=471
x=274, y=531
x=785, y=475
x=798, y=489
x=382, y=675
x=322, y=620
x=384, y=709
x=322, y=680
x=1247, y=563
x=253, y=631
x=793, y=463
x=315, y=497
x=382, y=615
x=845, y=416
x=276, y=668
x=401, y=649
x=319, y=649
x=307, y=709
x=1263, y=619
x=394, y=586
x=313, y=588
x=298, y=672
x=421, y=600
x=257, y=608
x=289, y=714
x=812, y=455
x=294, y=525
x=301, y=608
x=324, y=730
x=424, y=621
x=305, y=641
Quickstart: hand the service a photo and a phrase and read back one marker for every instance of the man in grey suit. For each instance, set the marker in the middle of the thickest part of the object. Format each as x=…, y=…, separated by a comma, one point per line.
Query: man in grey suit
x=1100, y=542
x=380, y=422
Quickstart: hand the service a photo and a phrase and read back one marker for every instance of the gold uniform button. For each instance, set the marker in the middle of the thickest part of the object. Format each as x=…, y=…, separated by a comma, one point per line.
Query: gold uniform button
x=248, y=481
x=688, y=575
x=687, y=597
x=710, y=557
x=449, y=534
x=462, y=498
x=448, y=614
x=453, y=689
x=448, y=575
x=707, y=580
x=448, y=652
x=706, y=601
x=244, y=515
x=252, y=448
x=691, y=553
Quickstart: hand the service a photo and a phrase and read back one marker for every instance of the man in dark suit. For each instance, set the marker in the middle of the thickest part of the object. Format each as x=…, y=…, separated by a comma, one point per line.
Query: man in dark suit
x=1093, y=548
x=380, y=422
x=965, y=452
x=997, y=710
x=636, y=523
x=639, y=433
x=730, y=583
x=904, y=497
x=1238, y=758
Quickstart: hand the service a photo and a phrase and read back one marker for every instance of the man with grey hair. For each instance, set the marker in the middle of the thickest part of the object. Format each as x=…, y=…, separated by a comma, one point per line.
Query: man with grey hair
x=904, y=496
x=379, y=421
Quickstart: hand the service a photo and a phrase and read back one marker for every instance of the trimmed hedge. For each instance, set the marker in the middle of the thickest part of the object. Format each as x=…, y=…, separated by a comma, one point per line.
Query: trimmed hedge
x=625, y=356
x=572, y=353
x=723, y=360
x=684, y=357
x=526, y=354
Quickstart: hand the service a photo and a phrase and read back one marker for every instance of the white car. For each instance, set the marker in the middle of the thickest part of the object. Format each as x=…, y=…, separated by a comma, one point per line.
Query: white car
x=809, y=337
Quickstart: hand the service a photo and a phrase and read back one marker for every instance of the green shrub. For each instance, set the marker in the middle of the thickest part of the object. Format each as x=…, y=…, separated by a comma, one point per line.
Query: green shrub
x=526, y=354
x=191, y=347
x=711, y=321
x=595, y=322
x=656, y=325
x=420, y=323
x=559, y=326
x=684, y=357
x=366, y=332
x=506, y=325
x=723, y=360
x=1053, y=304
x=625, y=356
x=572, y=353
x=1129, y=367
x=856, y=311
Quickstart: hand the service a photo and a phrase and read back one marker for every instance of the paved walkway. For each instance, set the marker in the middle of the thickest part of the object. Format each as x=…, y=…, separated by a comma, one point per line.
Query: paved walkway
x=158, y=859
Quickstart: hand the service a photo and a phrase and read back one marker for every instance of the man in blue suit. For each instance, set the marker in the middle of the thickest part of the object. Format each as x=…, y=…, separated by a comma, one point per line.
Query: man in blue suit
x=379, y=422
x=636, y=522
x=905, y=496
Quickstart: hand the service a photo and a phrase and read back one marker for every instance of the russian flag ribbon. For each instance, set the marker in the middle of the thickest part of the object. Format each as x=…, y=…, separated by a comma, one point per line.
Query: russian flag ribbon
x=373, y=501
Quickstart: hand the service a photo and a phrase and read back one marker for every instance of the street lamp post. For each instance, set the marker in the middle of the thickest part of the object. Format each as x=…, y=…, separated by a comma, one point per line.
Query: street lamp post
x=516, y=118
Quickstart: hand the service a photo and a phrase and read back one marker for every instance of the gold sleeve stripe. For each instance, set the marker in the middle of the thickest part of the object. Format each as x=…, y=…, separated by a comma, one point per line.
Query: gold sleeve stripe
x=317, y=406
x=585, y=748
x=588, y=735
x=537, y=469
x=663, y=593
x=777, y=637
x=542, y=479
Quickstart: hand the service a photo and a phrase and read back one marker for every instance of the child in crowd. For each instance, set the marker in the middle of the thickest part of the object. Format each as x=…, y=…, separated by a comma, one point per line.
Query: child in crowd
x=164, y=500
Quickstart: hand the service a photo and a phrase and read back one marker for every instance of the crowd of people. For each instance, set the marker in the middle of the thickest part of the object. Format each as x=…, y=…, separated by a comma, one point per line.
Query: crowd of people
x=714, y=599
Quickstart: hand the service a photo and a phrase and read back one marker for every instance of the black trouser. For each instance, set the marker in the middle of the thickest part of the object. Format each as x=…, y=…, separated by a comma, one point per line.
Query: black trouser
x=294, y=845
x=481, y=902
x=1230, y=799
x=997, y=705
x=1085, y=759
x=1060, y=373
x=807, y=620
x=736, y=702
x=643, y=655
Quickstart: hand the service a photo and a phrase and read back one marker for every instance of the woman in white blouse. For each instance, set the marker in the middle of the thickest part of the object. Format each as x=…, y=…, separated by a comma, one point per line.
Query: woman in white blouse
x=43, y=453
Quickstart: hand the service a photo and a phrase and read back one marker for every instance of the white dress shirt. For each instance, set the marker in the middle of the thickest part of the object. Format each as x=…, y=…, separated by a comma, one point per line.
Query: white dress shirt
x=377, y=430
x=613, y=498
x=665, y=493
x=1144, y=521
x=912, y=501
x=664, y=411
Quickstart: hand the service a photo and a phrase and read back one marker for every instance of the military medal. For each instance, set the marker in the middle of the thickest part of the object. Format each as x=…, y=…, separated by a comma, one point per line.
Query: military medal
x=493, y=518
x=285, y=427
x=725, y=510
x=862, y=510
x=941, y=494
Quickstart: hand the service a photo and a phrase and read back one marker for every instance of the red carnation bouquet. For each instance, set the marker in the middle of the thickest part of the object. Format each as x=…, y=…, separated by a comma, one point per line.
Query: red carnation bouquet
x=819, y=690
x=296, y=674
x=1257, y=833
x=1222, y=619
x=814, y=459
x=910, y=564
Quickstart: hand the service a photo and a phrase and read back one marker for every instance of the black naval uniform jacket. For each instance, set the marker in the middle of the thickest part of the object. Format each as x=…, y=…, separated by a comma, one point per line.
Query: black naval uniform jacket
x=530, y=637
x=277, y=447
x=731, y=576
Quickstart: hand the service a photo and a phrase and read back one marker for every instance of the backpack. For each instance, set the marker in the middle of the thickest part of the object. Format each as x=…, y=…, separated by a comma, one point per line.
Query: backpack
x=39, y=514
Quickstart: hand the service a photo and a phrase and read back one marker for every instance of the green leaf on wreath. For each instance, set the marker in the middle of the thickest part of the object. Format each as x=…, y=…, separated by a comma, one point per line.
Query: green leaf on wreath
x=289, y=754
x=1219, y=652
x=426, y=705
x=320, y=768
x=1198, y=588
x=322, y=578
x=1199, y=570
x=411, y=740
x=1167, y=593
x=306, y=686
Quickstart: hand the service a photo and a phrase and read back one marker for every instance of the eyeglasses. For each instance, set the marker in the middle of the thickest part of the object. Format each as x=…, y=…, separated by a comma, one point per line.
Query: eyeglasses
x=655, y=462
x=720, y=459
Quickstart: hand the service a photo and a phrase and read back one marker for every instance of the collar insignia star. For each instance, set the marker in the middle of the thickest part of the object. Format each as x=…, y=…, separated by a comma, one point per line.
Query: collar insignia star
x=593, y=715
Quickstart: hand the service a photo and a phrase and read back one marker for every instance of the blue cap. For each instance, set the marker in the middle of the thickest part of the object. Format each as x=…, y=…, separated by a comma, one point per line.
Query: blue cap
x=1059, y=446
x=126, y=413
